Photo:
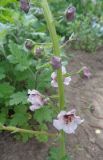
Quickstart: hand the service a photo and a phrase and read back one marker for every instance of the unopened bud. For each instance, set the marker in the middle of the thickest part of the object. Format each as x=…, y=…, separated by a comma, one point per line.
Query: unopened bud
x=46, y=100
x=70, y=13
x=29, y=44
x=24, y=5
x=38, y=52
x=86, y=72
x=56, y=62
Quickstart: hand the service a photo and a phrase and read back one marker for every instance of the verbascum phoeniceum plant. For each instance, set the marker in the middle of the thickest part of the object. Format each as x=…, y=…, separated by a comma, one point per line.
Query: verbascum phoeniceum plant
x=65, y=122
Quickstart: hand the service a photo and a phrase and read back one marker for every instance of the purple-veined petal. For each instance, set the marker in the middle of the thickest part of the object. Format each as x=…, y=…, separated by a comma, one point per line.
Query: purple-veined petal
x=67, y=121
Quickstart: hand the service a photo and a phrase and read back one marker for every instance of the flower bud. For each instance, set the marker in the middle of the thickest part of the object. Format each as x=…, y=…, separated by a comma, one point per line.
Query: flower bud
x=29, y=44
x=24, y=5
x=70, y=13
x=56, y=62
x=38, y=52
x=86, y=72
x=46, y=100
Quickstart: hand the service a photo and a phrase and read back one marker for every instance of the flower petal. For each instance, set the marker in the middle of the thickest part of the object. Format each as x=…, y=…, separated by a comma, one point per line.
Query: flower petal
x=73, y=111
x=33, y=92
x=67, y=121
x=61, y=114
x=35, y=99
x=34, y=107
x=58, y=124
x=70, y=128
x=54, y=84
x=64, y=70
x=78, y=120
x=67, y=80
x=53, y=75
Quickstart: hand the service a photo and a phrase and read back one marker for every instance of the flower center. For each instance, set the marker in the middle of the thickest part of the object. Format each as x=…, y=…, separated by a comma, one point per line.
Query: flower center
x=68, y=118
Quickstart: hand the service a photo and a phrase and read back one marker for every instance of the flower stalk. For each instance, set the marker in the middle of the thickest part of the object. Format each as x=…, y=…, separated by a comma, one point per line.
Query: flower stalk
x=20, y=130
x=56, y=52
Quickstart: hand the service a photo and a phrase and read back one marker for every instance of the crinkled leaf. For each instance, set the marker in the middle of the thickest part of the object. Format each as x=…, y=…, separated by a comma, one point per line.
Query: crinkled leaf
x=42, y=137
x=26, y=136
x=44, y=79
x=3, y=117
x=18, y=98
x=19, y=57
x=20, y=117
x=2, y=73
x=54, y=154
x=43, y=114
x=6, y=90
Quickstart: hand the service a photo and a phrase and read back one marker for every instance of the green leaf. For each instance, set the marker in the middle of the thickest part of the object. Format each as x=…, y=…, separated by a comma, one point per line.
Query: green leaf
x=18, y=98
x=26, y=136
x=44, y=79
x=6, y=90
x=19, y=57
x=20, y=117
x=42, y=137
x=6, y=2
x=54, y=154
x=43, y=114
x=20, y=76
x=2, y=73
x=3, y=117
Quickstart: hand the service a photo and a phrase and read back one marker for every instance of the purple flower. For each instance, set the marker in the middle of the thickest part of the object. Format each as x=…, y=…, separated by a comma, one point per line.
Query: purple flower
x=70, y=13
x=56, y=62
x=54, y=78
x=67, y=121
x=36, y=99
x=86, y=72
x=24, y=5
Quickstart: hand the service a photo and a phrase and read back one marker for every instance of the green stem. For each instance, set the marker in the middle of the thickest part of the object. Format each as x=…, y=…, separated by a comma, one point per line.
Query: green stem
x=74, y=73
x=32, y=73
x=43, y=66
x=56, y=50
x=15, y=129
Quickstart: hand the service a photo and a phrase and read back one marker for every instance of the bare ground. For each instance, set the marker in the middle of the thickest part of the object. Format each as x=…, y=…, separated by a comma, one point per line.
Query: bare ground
x=84, y=95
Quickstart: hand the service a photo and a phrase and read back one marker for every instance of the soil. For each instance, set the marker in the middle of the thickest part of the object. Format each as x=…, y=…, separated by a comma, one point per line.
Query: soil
x=86, y=95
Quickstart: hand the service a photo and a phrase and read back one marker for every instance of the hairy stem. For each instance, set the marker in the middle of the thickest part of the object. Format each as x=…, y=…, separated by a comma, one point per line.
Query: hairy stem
x=56, y=52
x=15, y=129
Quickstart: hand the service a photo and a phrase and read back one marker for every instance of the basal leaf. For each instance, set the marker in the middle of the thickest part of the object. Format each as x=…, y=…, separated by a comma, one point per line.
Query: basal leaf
x=6, y=90
x=18, y=98
x=43, y=114
x=2, y=73
x=19, y=57
x=20, y=117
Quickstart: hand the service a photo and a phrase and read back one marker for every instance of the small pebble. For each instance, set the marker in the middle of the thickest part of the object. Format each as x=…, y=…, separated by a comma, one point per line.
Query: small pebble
x=97, y=131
